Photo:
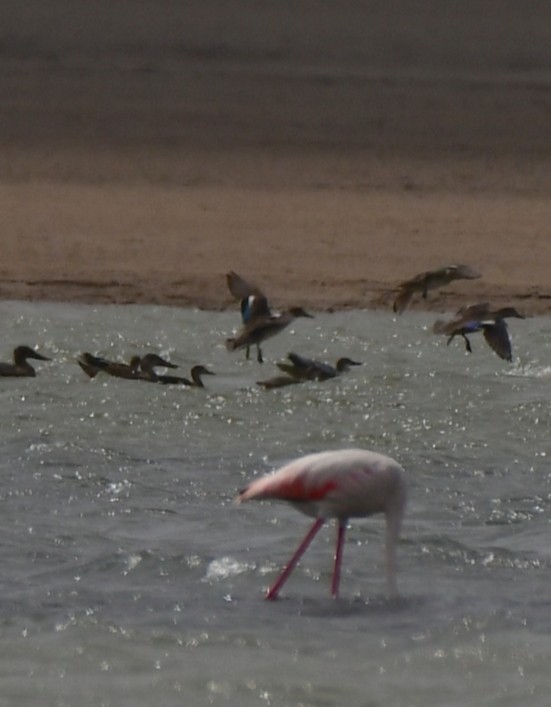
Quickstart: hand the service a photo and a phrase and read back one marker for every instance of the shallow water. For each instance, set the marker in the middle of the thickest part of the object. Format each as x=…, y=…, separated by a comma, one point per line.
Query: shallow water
x=130, y=577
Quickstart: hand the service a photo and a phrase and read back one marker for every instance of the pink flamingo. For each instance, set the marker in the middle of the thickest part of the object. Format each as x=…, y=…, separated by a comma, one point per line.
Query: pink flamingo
x=343, y=484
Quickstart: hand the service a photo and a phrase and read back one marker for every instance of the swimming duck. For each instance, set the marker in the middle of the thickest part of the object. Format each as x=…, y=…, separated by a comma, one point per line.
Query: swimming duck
x=431, y=280
x=279, y=382
x=92, y=365
x=481, y=317
x=196, y=374
x=262, y=328
x=310, y=369
x=148, y=363
x=20, y=366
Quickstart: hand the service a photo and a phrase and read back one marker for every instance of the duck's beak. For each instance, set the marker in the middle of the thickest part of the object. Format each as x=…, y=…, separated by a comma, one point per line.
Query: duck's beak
x=38, y=356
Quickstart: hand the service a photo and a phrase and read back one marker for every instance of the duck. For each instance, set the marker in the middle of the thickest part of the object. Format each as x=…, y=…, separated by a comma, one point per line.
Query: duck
x=148, y=363
x=262, y=328
x=481, y=317
x=253, y=303
x=310, y=369
x=279, y=382
x=196, y=373
x=92, y=365
x=21, y=367
x=431, y=280
x=255, y=310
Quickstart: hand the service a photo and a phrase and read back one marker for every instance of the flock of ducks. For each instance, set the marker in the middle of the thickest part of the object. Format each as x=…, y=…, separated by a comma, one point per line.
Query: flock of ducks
x=480, y=317
x=259, y=323
x=139, y=368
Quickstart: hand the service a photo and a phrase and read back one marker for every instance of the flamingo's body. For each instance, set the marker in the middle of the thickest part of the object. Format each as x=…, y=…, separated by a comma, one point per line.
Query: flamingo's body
x=340, y=484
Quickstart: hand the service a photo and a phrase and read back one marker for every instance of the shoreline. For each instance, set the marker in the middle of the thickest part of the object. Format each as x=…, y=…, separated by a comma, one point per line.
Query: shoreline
x=367, y=296
x=328, y=247
x=326, y=157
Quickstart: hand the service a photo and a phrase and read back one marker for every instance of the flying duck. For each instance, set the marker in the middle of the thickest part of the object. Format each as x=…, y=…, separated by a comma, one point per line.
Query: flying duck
x=259, y=323
x=431, y=280
x=481, y=317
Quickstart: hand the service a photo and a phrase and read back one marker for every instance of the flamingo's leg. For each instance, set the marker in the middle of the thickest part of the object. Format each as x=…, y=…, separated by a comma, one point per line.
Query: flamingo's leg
x=280, y=581
x=341, y=532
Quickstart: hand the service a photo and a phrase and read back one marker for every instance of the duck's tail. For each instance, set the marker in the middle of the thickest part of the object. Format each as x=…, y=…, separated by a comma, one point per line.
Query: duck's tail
x=439, y=326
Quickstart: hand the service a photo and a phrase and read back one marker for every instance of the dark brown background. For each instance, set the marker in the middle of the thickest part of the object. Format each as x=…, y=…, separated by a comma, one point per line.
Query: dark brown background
x=326, y=150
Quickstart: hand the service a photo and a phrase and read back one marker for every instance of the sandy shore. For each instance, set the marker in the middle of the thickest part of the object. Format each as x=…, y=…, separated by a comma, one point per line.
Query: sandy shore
x=141, y=167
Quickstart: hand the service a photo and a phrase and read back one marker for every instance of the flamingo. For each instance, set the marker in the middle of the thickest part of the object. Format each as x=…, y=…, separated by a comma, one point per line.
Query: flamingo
x=341, y=484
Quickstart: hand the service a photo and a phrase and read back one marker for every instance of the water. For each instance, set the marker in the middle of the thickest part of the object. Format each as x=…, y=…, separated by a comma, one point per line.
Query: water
x=130, y=577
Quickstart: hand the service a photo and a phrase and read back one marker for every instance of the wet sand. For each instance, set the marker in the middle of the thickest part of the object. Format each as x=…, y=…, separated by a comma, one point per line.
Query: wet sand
x=143, y=159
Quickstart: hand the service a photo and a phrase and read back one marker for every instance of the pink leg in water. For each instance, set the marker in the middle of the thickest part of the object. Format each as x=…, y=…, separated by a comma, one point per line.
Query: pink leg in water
x=280, y=581
x=341, y=532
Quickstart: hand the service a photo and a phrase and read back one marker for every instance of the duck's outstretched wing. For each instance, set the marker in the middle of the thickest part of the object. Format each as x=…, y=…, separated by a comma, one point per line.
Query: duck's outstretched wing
x=253, y=301
x=497, y=337
x=405, y=293
x=241, y=288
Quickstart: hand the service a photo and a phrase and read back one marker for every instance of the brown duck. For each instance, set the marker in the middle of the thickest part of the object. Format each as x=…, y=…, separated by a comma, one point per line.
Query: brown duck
x=279, y=382
x=262, y=328
x=148, y=363
x=259, y=323
x=310, y=369
x=195, y=380
x=481, y=317
x=20, y=366
x=253, y=302
x=92, y=365
x=431, y=280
